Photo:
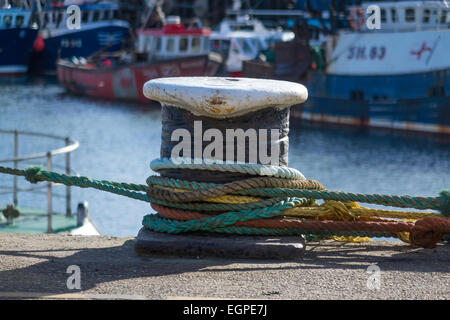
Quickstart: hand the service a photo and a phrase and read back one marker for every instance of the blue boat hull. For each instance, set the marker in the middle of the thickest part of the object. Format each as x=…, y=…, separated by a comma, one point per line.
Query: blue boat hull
x=80, y=43
x=16, y=46
x=413, y=102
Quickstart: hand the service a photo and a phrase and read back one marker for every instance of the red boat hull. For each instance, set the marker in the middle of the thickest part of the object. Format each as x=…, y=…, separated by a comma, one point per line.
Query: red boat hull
x=126, y=82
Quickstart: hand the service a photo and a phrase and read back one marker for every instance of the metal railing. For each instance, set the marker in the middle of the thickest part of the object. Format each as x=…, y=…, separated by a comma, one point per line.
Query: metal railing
x=70, y=145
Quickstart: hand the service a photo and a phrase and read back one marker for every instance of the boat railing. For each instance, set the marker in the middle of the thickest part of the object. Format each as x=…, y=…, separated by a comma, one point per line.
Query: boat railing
x=69, y=146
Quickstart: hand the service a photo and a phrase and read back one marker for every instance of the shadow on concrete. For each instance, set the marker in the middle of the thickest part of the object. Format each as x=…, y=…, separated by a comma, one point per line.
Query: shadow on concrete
x=45, y=270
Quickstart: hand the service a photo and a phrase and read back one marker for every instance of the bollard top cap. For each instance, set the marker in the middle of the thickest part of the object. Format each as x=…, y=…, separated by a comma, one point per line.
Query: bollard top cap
x=217, y=97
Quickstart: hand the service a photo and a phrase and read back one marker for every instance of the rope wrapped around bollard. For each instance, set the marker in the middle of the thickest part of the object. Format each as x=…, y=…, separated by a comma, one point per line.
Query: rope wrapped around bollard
x=269, y=208
x=287, y=215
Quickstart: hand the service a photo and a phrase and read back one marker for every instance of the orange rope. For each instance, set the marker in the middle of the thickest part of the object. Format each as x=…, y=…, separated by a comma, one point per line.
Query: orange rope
x=425, y=232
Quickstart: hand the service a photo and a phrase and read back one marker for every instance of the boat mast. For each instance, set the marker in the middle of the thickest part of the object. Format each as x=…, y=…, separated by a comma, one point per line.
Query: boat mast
x=152, y=6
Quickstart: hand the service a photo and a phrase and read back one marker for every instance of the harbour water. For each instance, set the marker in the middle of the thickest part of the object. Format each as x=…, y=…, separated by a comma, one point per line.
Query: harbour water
x=118, y=141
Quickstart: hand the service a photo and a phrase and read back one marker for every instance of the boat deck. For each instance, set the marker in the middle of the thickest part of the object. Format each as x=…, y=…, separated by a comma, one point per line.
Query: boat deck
x=35, y=221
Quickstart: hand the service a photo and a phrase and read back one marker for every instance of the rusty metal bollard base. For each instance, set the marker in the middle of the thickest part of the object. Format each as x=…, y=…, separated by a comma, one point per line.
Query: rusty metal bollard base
x=218, y=245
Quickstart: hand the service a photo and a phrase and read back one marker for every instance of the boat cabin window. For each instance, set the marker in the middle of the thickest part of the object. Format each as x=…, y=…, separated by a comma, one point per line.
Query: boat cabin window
x=19, y=21
x=158, y=44
x=7, y=21
x=215, y=45
x=434, y=13
x=234, y=47
x=246, y=48
x=85, y=16
x=394, y=15
x=410, y=15
x=174, y=44
x=106, y=15
x=59, y=18
x=383, y=15
x=426, y=16
x=183, y=44
x=259, y=46
x=170, y=45
x=243, y=27
x=445, y=15
x=145, y=44
x=116, y=14
x=154, y=44
x=220, y=45
x=195, y=44
x=45, y=19
x=96, y=16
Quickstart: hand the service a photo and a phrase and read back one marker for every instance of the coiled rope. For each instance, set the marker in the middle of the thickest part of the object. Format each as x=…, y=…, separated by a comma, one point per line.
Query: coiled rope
x=277, y=201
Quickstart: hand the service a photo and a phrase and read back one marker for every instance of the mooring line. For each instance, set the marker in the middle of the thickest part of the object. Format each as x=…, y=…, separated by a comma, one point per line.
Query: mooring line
x=280, y=204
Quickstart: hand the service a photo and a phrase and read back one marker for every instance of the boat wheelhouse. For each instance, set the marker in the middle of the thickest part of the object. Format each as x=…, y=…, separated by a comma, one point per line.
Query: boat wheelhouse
x=411, y=15
x=173, y=41
x=17, y=38
x=242, y=39
x=101, y=28
x=171, y=51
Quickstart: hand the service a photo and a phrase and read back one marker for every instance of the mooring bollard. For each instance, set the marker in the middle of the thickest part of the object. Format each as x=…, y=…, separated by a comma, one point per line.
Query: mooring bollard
x=222, y=120
x=225, y=119
x=230, y=191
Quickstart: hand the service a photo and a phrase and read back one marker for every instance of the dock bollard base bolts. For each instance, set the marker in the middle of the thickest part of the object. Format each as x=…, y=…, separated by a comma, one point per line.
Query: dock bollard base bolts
x=225, y=189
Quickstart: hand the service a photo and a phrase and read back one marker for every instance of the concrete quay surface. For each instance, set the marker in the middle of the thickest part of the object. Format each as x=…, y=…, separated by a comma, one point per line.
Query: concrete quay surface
x=35, y=267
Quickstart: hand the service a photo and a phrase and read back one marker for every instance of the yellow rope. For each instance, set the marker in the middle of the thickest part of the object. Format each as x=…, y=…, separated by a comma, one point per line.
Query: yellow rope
x=347, y=211
x=233, y=199
x=337, y=210
x=351, y=239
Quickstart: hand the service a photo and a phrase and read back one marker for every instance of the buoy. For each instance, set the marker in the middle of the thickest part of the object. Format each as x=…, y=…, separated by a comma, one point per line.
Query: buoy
x=356, y=18
x=39, y=44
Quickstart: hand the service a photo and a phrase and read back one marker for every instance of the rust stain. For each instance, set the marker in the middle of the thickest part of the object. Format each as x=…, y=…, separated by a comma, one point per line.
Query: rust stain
x=215, y=101
x=216, y=105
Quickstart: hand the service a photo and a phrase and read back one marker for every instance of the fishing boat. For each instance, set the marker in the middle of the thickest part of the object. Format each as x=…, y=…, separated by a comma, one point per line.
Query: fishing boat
x=395, y=77
x=170, y=51
x=241, y=39
x=101, y=28
x=17, y=37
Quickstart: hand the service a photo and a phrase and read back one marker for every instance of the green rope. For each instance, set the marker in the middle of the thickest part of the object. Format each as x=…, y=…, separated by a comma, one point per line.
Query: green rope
x=36, y=174
x=437, y=203
x=280, y=200
x=159, y=224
